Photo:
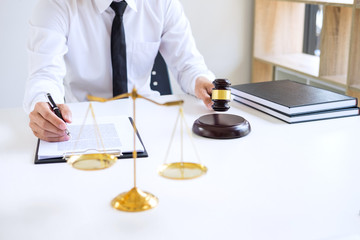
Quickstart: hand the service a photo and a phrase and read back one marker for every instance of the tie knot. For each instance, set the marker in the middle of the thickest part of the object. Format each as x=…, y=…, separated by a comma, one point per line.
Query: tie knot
x=119, y=7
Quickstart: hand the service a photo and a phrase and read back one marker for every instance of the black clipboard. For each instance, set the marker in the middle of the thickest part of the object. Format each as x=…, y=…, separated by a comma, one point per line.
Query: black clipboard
x=62, y=160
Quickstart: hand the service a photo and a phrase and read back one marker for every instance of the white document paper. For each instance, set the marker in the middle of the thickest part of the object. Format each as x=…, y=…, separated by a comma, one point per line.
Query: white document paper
x=116, y=135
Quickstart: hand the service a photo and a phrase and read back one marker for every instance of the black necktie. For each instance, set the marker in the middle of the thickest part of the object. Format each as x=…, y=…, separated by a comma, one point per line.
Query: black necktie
x=118, y=49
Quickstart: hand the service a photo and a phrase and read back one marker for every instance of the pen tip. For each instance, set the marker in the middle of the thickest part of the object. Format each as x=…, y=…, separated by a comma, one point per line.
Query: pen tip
x=68, y=133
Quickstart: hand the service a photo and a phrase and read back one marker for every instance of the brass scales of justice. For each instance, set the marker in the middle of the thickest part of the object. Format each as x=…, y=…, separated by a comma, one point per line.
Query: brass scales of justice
x=219, y=126
x=136, y=200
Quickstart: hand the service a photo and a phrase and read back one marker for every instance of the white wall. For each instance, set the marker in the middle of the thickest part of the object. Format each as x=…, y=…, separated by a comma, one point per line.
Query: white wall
x=222, y=29
x=13, y=58
x=223, y=33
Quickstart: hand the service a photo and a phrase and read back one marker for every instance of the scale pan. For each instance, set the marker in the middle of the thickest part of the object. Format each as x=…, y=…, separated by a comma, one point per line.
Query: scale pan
x=95, y=161
x=182, y=170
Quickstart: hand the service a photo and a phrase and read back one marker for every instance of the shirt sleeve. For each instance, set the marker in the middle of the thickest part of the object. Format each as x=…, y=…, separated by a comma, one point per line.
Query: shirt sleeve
x=46, y=48
x=179, y=49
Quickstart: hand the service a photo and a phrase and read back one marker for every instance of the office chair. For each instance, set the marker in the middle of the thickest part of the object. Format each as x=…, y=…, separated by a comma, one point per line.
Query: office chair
x=160, y=80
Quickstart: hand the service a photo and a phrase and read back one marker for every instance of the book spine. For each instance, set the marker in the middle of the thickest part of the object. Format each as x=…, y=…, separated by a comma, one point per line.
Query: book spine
x=346, y=112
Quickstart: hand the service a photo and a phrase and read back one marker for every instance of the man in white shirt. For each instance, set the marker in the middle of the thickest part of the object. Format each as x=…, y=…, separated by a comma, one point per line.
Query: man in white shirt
x=69, y=55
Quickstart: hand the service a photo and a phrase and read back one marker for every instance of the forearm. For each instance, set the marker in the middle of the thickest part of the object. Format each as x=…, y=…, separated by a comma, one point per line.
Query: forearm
x=179, y=50
x=46, y=74
x=46, y=49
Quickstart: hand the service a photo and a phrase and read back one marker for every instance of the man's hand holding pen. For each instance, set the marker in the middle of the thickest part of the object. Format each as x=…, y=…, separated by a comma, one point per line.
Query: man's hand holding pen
x=46, y=125
x=56, y=110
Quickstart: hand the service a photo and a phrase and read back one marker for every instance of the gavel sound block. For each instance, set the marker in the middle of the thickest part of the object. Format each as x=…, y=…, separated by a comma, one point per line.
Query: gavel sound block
x=221, y=126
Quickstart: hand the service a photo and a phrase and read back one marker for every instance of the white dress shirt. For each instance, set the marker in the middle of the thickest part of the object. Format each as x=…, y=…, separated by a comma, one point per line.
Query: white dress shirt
x=69, y=48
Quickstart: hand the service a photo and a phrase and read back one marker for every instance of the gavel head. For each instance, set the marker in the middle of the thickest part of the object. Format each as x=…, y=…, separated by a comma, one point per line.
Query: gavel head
x=221, y=95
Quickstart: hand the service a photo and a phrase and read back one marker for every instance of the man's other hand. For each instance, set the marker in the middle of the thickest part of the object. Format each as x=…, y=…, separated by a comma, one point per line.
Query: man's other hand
x=203, y=90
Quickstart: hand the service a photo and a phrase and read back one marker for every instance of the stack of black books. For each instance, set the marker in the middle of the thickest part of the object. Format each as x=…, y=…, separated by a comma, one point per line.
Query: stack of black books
x=295, y=102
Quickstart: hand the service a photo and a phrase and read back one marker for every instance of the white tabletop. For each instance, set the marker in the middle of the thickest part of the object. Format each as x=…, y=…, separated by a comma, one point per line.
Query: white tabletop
x=282, y=181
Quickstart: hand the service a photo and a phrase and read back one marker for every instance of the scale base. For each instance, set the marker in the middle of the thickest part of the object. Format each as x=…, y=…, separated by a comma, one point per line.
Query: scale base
x=221, y=126
x=134, y=200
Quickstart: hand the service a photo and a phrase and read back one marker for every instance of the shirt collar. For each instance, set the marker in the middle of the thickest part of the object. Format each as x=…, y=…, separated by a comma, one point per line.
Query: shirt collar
x=102, y=5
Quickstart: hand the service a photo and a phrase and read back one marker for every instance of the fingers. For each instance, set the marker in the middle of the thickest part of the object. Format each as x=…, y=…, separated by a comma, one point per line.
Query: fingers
x=46, y=125
x=203, y=89
x=65, y=112
x=208, y=102
x=49, y=137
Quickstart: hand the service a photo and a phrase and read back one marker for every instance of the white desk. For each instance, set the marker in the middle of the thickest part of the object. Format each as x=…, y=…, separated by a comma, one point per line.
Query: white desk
x=282, y=181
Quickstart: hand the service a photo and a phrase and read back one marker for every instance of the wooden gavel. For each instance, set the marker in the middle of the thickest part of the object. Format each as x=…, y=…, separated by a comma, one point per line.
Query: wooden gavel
x=221, y=95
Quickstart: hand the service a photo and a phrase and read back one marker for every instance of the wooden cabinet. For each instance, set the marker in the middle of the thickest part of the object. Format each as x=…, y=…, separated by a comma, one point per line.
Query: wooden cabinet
x=354, y=61
x=278, y=42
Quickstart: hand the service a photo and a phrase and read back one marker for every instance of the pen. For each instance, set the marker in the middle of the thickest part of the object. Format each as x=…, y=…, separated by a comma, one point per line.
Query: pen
x=56, y=110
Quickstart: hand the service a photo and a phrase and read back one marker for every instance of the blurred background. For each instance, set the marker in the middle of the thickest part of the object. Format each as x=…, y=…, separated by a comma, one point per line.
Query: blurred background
x=222, y=30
